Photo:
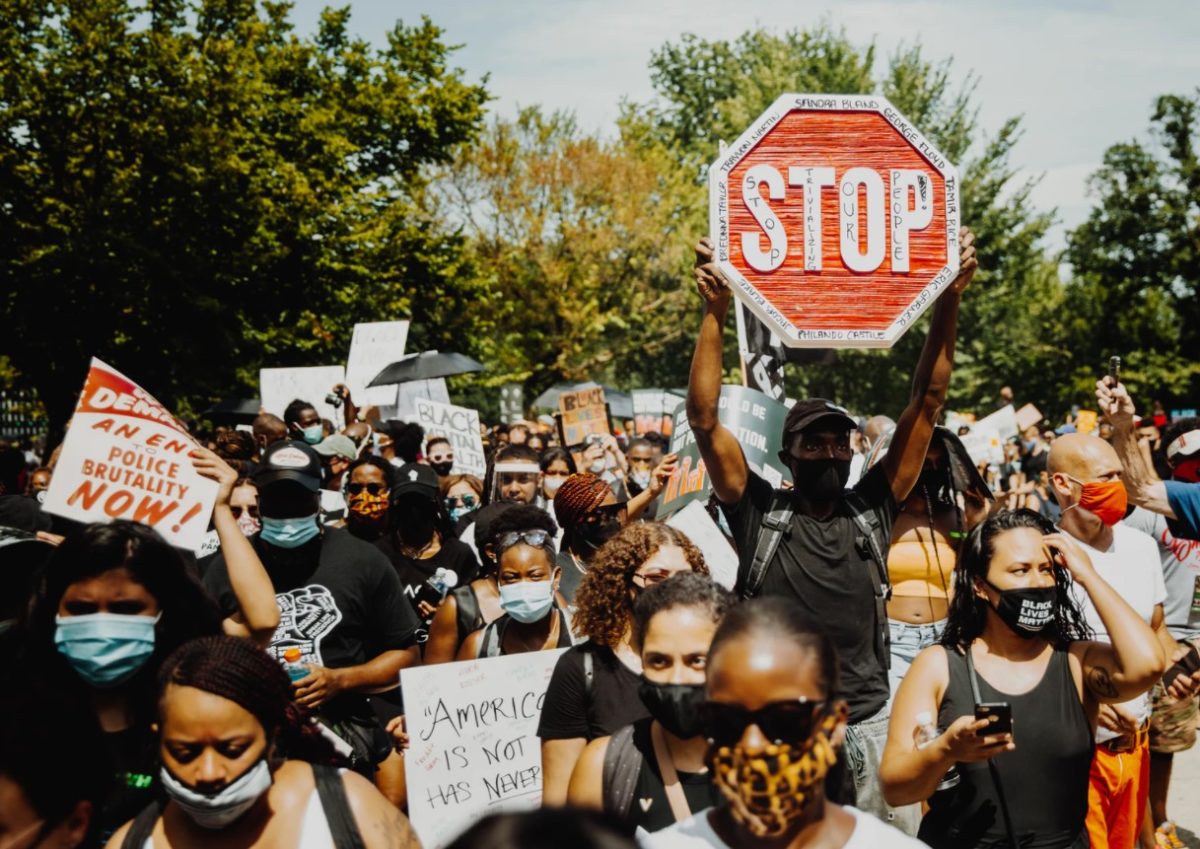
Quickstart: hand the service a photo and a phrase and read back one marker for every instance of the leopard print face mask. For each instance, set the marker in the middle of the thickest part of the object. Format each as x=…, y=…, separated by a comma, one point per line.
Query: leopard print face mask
x=770, y=789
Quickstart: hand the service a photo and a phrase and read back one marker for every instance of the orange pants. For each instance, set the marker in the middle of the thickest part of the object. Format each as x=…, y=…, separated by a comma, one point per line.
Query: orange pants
x=1118, y=787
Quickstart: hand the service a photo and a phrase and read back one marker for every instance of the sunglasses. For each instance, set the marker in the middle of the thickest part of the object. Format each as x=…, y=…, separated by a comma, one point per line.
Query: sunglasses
x=535, y=537
x=373, y=488
x=787, y=721
x=467, y=501
x=237, y=511
x=607, y=514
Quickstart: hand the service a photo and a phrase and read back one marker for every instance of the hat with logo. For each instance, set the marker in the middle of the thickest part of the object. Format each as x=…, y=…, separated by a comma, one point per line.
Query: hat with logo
x=290, y=460
x=415, y=479
x=804, y=414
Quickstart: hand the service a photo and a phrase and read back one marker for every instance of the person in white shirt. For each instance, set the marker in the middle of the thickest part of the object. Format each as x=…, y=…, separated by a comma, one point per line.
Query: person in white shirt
x=775, y=725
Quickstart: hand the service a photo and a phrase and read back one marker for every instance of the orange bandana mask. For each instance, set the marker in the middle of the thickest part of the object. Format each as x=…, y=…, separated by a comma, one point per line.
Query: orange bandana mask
x=368, y=507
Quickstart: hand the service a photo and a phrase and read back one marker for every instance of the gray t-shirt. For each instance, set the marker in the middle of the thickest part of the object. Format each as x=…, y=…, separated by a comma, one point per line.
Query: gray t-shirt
x=1181, y=572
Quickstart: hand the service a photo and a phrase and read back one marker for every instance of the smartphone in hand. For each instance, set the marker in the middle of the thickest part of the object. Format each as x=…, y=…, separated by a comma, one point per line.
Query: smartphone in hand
x=1000, y=714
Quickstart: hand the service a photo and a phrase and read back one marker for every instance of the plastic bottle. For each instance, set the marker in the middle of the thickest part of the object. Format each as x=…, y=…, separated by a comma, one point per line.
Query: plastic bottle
x=292, y=665
x=925, y=734
x=444, y=580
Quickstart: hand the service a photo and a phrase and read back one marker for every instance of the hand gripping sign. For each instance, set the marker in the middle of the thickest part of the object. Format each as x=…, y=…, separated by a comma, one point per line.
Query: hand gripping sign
x=126, y=457
x=835, y=220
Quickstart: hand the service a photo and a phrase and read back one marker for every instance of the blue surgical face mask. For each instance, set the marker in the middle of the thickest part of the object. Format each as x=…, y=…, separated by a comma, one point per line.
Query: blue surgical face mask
x=527, y=601
x=105, y=649
x=289, y=533
x=313, y=434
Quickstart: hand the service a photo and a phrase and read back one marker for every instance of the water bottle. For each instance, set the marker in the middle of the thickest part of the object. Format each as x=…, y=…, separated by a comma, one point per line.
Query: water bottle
x=435, y=588
x=292, y=665
x=925, y=734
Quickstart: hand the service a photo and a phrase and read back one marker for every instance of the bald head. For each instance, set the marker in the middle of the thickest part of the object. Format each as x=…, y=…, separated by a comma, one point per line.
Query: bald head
x=1078, y=458
x=268, y=429
x=876, y=427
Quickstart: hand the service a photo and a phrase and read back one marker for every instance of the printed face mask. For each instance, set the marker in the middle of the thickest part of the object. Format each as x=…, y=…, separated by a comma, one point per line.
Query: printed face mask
x=247, y=524
x=1106, y=500
x=105, y=649
x=1027, y=612
x=677, y=707
x=289, y=533
x=527, y=601
x=769, y=790
x=217, y=810
x=367, y=507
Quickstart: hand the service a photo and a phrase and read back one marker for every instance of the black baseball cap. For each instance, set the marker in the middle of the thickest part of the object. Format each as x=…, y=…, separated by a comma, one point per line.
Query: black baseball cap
x=290, y=460
x=804, y=414
x=415, y=479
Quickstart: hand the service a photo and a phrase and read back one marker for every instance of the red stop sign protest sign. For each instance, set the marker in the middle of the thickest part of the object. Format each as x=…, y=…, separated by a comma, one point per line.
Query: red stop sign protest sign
x=835, y=220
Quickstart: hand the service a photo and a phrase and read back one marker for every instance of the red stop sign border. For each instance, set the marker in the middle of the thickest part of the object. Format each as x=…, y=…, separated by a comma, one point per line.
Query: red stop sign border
x=720, y=201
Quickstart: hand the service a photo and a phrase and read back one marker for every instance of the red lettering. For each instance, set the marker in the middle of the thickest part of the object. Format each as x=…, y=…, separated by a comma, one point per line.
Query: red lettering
x=104, y=424
x=87, y=495
x=118, y=503
x=127, y=430
x=151, y=511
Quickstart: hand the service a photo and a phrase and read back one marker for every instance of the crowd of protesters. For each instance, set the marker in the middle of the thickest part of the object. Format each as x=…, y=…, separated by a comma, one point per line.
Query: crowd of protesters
x=917, y=649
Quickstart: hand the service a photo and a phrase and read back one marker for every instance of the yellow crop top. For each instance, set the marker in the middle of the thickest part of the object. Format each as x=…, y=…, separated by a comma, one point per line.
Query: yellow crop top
x=913, y=568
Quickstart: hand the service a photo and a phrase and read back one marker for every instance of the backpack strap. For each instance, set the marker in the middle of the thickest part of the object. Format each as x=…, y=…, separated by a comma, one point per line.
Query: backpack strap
x=776, y=522
x=877, y=543
x=622, y=764
x=331, y=789
x=489, y=644
x=143, y=826
x=467, y=606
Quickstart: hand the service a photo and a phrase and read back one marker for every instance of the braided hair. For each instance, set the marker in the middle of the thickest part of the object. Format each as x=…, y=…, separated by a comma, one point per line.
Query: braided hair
x=579, y=495
x=236, y=669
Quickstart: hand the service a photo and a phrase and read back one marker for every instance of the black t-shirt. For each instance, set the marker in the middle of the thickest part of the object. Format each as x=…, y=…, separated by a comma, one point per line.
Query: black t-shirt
x=651, y=810
x=1034, y=464
x=134, y=755
x=823, y=565
x=454, y=555
x=340, y=601
x=569, y=712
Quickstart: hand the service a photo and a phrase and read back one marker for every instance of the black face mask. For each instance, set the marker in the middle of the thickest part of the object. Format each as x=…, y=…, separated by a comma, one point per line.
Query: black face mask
x=442, y=469
x=675, y=706
x=1027, y=612
x=415, y=523
x=594, y=535
x=820, y=481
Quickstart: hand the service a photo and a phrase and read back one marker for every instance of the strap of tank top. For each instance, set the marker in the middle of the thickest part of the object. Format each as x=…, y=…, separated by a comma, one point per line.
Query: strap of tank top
x=1008, y=824
x=142, y=828
x=489, y=643
x=666, y=768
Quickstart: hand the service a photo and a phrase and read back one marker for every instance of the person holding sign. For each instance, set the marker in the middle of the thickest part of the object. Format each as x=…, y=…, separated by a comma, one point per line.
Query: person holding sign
x=225, y=714
x=652, y=773
x=819, y=543
x=528, y=583
x=775, y=719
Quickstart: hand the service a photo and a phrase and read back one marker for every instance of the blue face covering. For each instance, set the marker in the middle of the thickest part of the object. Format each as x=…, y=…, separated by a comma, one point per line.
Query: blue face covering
x=289, y=533
x=527, y=601
x=105, y=649
x=313, y=434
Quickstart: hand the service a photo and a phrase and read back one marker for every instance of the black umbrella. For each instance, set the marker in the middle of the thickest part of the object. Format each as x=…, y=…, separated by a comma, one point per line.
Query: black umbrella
x=426, y=366
x=240, y=410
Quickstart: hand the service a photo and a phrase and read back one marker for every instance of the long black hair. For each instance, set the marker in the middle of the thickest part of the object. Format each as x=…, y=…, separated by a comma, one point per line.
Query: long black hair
x=968, y=612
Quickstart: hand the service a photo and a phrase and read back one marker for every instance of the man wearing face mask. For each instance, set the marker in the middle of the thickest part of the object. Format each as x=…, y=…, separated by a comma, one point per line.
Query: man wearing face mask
x=340, y=601
x=303, y=422
x=821, y=544
x=1086, y=476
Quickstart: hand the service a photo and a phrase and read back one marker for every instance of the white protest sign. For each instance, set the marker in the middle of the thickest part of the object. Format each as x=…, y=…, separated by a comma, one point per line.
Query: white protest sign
x=430, y=390
x=461, y=427
x=282, y=386
x=374, y=346
x=474, y=747
x=985, y=442
x=126, y=457
x=694, y=522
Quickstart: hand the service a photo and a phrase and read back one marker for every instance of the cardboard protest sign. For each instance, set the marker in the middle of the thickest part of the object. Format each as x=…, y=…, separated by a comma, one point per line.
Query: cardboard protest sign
x=756, y=421
x=835, y=220
x=281, y=386
x=581, y=414
x=374, y=346
x=1027, y=417
x=461, y=427
x=126, y=457
x=650, y=411
x=474, y=746
x=1085, y=421
x=695, y=523
x=512, y=403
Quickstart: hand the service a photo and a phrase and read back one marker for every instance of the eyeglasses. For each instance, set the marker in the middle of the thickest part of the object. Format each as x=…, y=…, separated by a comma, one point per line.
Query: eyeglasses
x=649, y=579
x=373, y=488
x=467, y=501
x=535, y=537
x=786, y=721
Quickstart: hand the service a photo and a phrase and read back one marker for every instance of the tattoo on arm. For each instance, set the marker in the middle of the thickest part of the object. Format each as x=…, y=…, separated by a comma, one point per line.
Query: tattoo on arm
x=1100, y=682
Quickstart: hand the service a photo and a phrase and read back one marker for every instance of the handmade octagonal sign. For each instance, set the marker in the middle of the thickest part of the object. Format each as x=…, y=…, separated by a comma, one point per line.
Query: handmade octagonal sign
x=835, y=220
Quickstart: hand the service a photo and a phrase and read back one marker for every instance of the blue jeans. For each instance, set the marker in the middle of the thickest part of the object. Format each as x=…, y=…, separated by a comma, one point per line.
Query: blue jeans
x=907, y=642
x=864, y=750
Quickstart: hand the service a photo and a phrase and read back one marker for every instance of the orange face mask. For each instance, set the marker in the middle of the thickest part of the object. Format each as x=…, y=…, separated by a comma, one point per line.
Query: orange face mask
x=1106, y=500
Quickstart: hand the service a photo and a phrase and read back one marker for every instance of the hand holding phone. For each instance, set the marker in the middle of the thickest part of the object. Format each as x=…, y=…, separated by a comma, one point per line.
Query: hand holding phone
x=1186, y=665
x=998, y=716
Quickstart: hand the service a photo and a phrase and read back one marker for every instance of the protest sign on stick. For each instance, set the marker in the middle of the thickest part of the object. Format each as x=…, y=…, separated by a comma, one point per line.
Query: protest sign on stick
x=461, y=427
x=474, y=747
x=581, y=414
x=512, y=403
x=1027, y=417
x=650, y=412
x=126, y=457
x=375, y=346
x=281, y=386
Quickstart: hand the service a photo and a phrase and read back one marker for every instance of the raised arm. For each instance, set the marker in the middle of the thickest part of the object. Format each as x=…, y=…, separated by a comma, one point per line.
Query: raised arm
x=910, y=443
x=1143, y=484
x=719, y=448
x=258, y=613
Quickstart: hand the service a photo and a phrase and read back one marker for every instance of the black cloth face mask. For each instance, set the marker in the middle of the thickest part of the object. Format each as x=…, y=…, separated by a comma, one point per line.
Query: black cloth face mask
x=819, y=481
x=676, y=707
x=1028, y=612
x=442, y=469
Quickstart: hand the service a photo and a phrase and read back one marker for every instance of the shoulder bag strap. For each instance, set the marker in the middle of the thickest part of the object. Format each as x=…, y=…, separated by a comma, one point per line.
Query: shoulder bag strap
x=622, y=763
x=1008, y=825
x=670, y=779
x=776, y=523
x=871, y=528
x=332, y=791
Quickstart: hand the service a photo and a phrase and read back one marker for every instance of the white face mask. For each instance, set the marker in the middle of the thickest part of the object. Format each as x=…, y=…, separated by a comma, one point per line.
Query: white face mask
x=552, y=484
x=220, y=809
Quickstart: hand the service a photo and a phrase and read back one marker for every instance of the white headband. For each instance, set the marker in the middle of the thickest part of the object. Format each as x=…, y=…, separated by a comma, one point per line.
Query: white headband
x=1181, y=444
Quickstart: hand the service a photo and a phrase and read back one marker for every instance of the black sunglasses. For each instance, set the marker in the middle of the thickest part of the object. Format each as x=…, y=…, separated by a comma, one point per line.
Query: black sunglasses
x=787, y=721
x=608, y=513
x=373, y=488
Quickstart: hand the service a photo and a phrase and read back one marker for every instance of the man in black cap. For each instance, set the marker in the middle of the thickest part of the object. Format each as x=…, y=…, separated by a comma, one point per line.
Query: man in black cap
x=341, y=605
x=820, y=544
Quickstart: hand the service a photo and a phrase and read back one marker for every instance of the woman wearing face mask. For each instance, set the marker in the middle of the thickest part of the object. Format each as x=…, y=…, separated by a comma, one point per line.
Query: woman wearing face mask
x=595, y=686
x=1015, y=635
x=774, y=723
x=243, y=503
x=590, y=515
x=368, y=489
x=462, y=496
x=660, y=760
x=527, y=580
x=242, y=765
x=557, y=465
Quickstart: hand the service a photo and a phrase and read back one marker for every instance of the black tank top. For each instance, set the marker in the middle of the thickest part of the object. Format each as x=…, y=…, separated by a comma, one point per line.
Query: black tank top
x=1045, y=779
x=650, y=809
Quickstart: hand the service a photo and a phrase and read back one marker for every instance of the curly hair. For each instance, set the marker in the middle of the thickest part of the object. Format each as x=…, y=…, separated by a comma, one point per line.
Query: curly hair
x=604, y=610
x=238, y=449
